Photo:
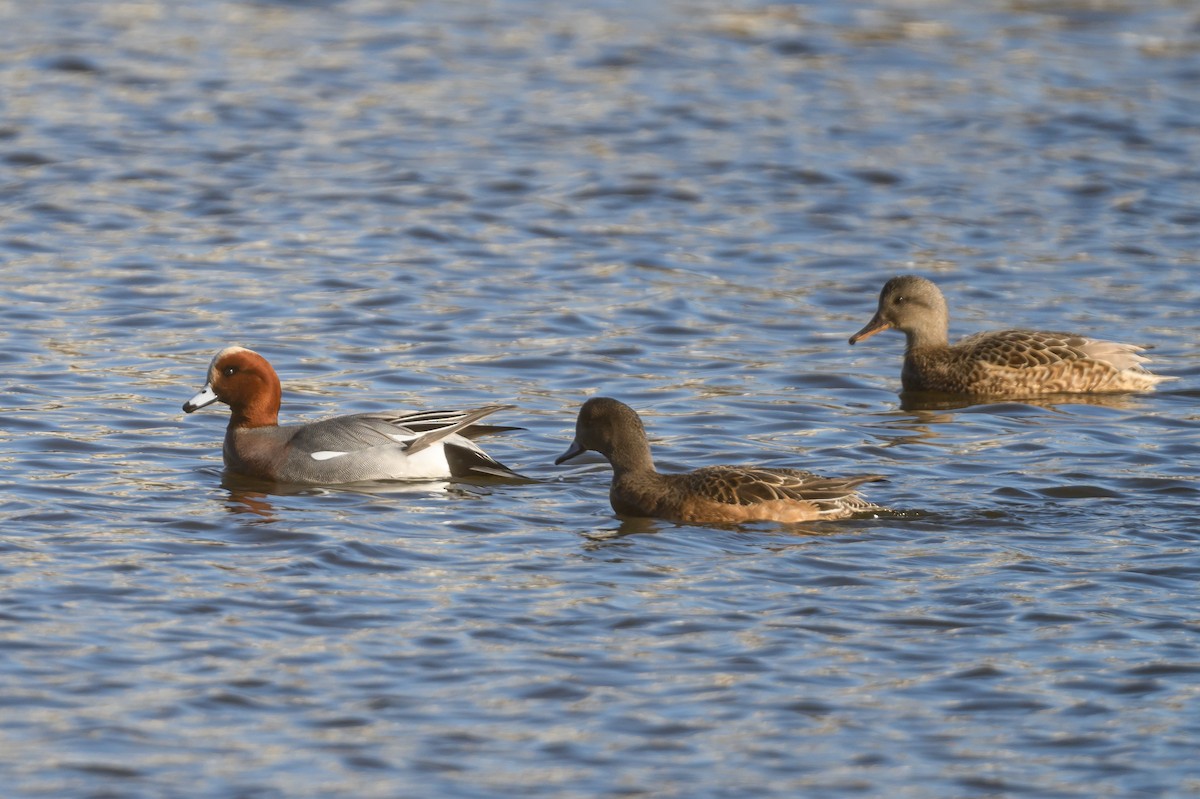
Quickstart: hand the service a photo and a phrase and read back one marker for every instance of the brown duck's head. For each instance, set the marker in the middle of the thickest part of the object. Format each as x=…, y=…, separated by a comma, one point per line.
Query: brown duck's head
x=245, y=381
x=912, y=305
x=610, y=427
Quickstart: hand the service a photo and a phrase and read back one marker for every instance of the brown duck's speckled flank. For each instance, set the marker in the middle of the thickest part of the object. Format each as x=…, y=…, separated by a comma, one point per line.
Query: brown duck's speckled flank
x=1005, y=363
x=713, y=494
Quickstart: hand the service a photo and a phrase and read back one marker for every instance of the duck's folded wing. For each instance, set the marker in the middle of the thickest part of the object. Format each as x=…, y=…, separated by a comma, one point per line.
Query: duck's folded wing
x=372, y=446
x=749, y=486
x=416, y=430
x=426, y=421
x=346, y=434
x=1028, y=349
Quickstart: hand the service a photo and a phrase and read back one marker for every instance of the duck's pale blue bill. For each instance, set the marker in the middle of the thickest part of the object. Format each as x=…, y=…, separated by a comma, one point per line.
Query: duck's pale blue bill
x=206, y=397
x=573, y=451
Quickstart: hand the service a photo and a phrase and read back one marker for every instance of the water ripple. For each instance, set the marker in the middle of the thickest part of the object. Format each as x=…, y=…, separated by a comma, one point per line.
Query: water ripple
x=685, y=206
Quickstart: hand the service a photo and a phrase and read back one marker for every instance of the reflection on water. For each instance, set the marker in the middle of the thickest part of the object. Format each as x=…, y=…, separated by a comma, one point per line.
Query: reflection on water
x=914, y=427
x=251, y=502
x=937, y=401
x=684, y=205
x=252, y=496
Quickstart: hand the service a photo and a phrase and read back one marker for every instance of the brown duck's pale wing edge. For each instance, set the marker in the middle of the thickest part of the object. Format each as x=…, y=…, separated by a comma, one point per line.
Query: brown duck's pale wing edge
x=1018, y=349
x=736, y=485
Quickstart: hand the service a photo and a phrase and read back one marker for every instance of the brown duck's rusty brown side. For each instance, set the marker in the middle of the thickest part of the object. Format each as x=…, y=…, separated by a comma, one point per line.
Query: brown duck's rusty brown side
x=710, y=495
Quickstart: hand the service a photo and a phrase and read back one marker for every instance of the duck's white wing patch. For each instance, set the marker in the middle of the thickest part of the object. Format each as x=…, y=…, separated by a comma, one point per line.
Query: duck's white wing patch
x=326, y=455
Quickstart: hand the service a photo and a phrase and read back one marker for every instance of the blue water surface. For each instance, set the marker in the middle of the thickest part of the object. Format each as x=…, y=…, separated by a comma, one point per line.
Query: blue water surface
x=686, y=205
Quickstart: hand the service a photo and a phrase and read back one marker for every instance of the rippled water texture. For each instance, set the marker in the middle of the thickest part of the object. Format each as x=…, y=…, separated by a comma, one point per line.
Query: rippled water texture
x=689, y=206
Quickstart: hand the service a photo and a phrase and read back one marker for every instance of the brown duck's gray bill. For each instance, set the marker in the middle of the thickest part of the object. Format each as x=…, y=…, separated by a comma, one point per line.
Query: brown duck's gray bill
x=573, y=451
x=876, y=325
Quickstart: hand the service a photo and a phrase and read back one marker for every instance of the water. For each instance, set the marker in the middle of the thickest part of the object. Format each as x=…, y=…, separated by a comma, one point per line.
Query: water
x=689, y=206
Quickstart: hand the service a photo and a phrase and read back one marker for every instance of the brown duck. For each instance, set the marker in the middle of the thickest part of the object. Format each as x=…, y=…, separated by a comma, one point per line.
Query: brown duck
x=711, y=495
x=1004, y=363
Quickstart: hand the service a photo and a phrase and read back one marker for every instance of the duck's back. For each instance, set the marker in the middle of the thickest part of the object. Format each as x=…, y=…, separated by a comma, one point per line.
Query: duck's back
x=1028, y=363
x=732, y=494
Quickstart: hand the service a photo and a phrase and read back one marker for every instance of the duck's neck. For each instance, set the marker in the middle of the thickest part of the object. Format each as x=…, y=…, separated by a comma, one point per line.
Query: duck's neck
x=261, y=411
x=631, y=457
x=933, y=335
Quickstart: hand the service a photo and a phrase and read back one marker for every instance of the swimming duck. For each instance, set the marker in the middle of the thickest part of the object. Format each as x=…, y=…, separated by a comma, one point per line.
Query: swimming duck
x=1004, y=363
x=713, y=494
x=420, y=445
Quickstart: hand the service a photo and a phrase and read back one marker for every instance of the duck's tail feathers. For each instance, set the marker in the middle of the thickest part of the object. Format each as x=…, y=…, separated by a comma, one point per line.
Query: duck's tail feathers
x=429, y=421
x=467, y=460
x=455, y=423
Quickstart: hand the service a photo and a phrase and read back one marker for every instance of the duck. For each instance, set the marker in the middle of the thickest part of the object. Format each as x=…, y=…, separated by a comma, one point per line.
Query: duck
x=709, y=495
x=417, y=445
x=1003, y=363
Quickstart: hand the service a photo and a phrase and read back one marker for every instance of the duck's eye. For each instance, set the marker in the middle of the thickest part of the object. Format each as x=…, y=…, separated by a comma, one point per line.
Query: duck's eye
x=901, y=300
x=230, y=371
